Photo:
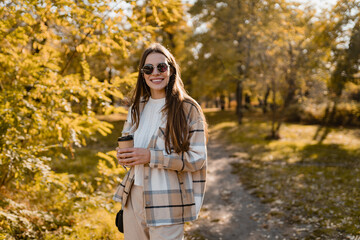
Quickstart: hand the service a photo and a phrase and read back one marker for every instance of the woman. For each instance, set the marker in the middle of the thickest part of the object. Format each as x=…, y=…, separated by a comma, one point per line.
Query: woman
x=166, y=183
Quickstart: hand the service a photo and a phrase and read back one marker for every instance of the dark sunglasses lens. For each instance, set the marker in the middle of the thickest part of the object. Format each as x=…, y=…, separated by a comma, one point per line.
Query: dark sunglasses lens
x=162, y=67
x=148, y=69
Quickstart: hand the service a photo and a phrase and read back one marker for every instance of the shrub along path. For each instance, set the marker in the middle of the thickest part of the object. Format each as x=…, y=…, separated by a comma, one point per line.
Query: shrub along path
x=229, y=211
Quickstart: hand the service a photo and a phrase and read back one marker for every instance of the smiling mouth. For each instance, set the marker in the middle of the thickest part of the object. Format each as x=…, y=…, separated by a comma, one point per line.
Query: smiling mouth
x=156, y=80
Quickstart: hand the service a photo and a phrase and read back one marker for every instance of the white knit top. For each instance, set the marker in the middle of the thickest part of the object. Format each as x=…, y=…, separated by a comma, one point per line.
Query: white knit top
x=150, y=121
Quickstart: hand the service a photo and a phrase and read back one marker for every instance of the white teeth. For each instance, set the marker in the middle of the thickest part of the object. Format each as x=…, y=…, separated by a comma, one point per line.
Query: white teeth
x=156, y=81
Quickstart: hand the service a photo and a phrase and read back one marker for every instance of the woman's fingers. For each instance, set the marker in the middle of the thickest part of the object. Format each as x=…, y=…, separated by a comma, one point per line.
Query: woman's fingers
x=124, y=150
x=129, y=161
x=126, y=155
x=132, y=156
x=123, y=153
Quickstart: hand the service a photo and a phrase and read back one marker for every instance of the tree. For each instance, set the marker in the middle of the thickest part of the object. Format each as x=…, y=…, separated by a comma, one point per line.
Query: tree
x=347, y=58
x=231, y=46
x=339, y=37
x=290, y=56
x=52, y=85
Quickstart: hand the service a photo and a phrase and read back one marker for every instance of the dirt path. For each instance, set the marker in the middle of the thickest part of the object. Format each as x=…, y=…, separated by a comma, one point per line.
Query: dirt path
x=229, y=211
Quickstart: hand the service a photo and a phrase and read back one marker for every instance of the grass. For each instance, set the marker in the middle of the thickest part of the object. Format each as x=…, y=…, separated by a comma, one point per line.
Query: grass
x=315, y=185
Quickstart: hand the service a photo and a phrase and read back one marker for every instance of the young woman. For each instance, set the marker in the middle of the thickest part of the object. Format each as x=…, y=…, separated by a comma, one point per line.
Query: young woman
x=166, y=182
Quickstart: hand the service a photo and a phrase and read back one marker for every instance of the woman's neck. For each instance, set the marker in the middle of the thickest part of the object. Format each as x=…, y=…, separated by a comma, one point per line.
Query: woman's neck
x=158, y=94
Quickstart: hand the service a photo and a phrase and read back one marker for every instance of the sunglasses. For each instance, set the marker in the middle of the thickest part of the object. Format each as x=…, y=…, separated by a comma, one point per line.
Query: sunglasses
x=149, y=68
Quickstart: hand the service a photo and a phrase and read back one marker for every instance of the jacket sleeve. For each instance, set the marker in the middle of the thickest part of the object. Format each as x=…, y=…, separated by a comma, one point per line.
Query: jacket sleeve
x=192, y=160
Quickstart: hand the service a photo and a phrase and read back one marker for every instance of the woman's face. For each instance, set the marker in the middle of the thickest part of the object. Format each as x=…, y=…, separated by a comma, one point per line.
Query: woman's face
x=158, y=79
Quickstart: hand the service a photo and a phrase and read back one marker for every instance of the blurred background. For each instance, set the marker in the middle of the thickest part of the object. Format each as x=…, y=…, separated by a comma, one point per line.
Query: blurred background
x=280, y=78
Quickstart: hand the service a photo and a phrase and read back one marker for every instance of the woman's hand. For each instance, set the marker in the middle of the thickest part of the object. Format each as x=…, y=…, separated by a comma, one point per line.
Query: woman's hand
x=133, y=156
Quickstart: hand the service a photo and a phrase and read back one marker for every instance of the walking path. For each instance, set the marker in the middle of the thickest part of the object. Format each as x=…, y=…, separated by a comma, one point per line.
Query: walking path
x=229, y=211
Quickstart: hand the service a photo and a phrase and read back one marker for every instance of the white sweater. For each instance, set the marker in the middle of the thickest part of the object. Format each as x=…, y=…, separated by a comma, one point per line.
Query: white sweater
x=150, y=121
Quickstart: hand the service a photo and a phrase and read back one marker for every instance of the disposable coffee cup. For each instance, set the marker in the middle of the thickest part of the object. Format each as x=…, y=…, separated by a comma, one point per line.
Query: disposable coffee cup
x=126, y=141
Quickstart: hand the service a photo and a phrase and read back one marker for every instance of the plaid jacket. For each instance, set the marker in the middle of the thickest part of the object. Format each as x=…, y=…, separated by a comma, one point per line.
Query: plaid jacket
x=181, y=196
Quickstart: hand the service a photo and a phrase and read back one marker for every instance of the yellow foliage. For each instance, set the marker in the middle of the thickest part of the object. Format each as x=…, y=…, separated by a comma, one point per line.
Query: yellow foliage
x=96, y=224
x=63, y=62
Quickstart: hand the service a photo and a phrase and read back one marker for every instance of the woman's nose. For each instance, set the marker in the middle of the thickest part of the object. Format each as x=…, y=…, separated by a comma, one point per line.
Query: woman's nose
x=156, y=71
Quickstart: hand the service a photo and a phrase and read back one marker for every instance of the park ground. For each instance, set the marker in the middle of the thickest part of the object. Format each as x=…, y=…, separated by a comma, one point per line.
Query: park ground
x=292, y=188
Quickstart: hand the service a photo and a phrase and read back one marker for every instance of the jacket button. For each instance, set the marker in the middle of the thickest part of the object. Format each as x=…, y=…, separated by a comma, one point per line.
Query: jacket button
x=146, y=177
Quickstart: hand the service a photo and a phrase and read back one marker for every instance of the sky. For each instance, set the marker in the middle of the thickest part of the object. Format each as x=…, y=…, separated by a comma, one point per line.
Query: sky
x=319, y=4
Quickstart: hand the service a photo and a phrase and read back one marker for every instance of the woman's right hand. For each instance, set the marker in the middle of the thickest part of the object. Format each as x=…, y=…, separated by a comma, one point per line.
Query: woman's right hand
x=132, y=156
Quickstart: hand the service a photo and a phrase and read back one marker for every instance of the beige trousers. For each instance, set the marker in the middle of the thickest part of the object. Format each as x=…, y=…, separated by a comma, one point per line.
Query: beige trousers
x=135, y=225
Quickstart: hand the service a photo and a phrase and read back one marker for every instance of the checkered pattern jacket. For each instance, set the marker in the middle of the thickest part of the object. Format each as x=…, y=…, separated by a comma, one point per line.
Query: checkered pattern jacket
x=184, y=173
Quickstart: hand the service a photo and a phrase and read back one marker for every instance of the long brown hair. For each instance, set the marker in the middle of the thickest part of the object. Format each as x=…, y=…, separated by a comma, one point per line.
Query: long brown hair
x=177, y=129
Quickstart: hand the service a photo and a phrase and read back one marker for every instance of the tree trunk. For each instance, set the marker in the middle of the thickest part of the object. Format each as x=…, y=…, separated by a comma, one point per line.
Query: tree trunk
x=290, y=77
x=265, y=103
x=290, y=96
x=324, y=129
x=239, y=104
x=275, y=121
x=222, y=102
x=229, y=100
